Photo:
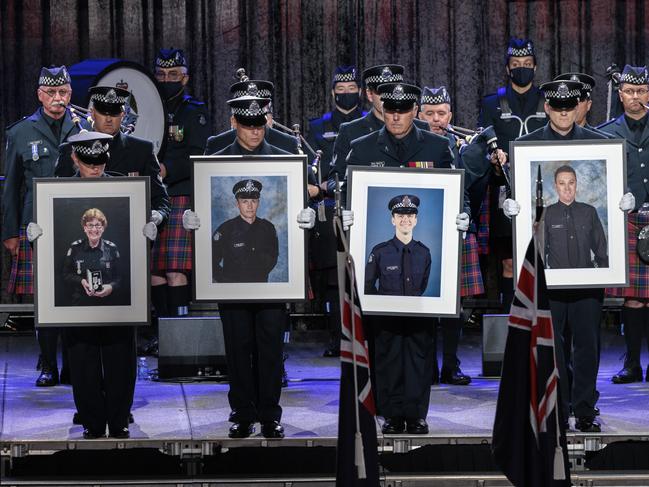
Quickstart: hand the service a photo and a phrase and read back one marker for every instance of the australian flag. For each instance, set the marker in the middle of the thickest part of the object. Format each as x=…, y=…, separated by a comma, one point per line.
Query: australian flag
x=529, y=443
x=357, y=456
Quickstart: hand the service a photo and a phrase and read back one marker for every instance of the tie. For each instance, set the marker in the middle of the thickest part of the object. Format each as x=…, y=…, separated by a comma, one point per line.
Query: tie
x=56, y=129
x=406, y=272
x=573, y=249
x=401, y=151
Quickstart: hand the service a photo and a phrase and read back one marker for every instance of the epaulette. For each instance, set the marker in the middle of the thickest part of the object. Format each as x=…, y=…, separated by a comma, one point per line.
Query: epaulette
x=604, y=124
x=424, y=246
x=109, y=243
x=15, y=123
x=193, y=101
x=381, y=245
x=76, y=242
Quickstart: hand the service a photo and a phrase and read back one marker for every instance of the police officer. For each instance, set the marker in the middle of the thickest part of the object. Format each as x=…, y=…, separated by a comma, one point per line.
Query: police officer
x=580, y=310
x=572, y=230
x=129, y=155
x=401, y=265
x=403, y=347
x=102, y=359
x=345, y=92
x=370, y=123
x=514, y=110
x=253, y=332
x=245, y=248
x=188, y=126
x=261, y=89
x=32, y=150
x=632, y=126
x=585, y=100
x=435, y=108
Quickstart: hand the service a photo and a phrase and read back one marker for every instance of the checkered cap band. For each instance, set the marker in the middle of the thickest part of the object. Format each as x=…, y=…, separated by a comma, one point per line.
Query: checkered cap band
x=405, y=203
x=562, y=93
x=380, y=79
x=399, y=94
x=437, y=99
x=178, y=59
x=96, y=149
x=111, y=97
x=59, y=79
x=520, y=51
x=249, y=187
x=634, y=78
x=344, y=77
x=586, y=87
x=261, y=93
x=254, y=110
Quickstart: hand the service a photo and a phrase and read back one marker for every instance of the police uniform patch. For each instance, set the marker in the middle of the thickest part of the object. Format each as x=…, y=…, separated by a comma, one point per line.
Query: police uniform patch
x=202, y=120
x=69, y=252
x=370, y=259
x=217, y=236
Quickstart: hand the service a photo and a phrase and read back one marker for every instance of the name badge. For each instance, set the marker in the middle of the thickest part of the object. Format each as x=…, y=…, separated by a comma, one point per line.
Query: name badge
x=557, y=226
x=240, y=244
x=392, y=268
x=377, y=164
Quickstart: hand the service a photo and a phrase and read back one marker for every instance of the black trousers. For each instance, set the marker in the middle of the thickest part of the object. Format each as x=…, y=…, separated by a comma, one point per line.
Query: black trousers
x=48, y=339
x=578, y=312
x=103, y=366
x=253, y=335
x=403, y=348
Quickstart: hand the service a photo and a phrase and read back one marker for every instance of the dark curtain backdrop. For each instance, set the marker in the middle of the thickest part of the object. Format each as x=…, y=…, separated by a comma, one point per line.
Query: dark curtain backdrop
x=296, y=44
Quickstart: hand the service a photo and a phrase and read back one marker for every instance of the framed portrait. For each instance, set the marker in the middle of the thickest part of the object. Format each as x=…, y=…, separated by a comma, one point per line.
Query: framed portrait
x=583, y=235
x=404, y=240
x=91, y=264
x=249, y=246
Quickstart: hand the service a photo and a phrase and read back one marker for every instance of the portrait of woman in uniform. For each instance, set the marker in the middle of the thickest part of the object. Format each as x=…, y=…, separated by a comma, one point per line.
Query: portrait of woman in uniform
x=404, y=240
x=92, y=259
x=247, y=246
x=581, y=183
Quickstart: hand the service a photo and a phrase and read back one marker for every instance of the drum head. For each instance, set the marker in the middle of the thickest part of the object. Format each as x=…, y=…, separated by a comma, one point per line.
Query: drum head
x=145, y=110
x=643, y=244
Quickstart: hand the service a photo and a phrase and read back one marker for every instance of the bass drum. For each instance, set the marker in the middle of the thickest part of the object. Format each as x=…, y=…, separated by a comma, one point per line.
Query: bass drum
x=145, y=110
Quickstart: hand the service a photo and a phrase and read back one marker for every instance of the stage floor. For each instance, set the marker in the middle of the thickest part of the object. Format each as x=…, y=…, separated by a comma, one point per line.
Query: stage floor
x=199, y=410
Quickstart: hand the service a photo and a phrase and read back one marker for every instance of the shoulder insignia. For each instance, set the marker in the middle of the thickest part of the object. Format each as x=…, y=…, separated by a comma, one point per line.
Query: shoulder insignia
x=217, y=236
x=370, y=259
x=77, y=242
x=69, y=252
x=195, y=102
x=15, y=123
x=109, y=243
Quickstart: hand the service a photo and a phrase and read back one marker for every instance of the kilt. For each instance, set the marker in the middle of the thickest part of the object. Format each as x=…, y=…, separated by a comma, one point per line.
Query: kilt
x=172, y=251
x=470, y=276
x=638, y=270
x=21, y=279
x=483, y=226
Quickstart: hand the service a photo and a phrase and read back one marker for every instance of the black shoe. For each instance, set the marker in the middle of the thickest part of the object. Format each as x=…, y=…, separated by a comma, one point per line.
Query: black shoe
x=417, y=426
x=272, y=429
x=596, y=411
x=121, y=433
x=89, y=434
x=331, y=351
x=628, y=375
x=474, y=321
x=588, y=425
x=48, y=378
x=455, y=377
x=241, y=430
x=393, y=426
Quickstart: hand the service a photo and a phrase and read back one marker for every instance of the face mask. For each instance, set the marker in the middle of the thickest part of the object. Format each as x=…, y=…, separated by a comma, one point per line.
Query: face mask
x=521, y=76
x=171, y=88
x=347, y=101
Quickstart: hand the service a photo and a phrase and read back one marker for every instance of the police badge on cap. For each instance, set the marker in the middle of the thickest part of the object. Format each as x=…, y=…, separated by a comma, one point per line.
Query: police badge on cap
x=90, y=147
x=254, y=87
x=54, y=76
x=398, y=96
x=434, y=96
x=404, y=204
x=108, y=100
x=587, y=81
x=250, y=110
x=247, y=189
x=635, y=75
x=562, y=94
x=383, y=73
x=170, y=58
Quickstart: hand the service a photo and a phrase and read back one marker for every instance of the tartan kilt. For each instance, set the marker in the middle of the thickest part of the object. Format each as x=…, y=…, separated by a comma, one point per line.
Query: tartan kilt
x=638, y=270
x=21, y=278
x=470, y=276
x=172, y=251
x=483, y=227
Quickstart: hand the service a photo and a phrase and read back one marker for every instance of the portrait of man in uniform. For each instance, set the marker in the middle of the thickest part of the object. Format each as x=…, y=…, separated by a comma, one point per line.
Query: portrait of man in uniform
x=95, y=266
x=575, y=224
x=407, y=260
x=251, y=245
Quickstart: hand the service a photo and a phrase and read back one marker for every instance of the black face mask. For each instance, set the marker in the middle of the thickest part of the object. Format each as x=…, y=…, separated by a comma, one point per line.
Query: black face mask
x=171, y=88
x=347, y=101
x=521, y=76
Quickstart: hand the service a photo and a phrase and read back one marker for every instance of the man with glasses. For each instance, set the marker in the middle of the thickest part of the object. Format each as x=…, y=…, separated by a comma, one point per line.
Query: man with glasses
x=632, y=126
x=32, y=150
x=188, y=129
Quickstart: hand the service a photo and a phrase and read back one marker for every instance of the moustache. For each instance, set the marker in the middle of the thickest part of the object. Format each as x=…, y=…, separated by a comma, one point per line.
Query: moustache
x=58, y=104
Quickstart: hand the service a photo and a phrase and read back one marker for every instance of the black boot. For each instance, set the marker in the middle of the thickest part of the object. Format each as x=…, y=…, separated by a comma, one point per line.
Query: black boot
x=633, y=319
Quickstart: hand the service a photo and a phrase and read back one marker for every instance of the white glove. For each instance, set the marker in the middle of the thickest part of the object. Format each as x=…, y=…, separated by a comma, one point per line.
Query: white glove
x=150, y=231
x=191, y=220
x=156, y=217
x=348, y=219
x=462, y=222
x=306, y=218
x=34, y=231
x=627, y=203
x=511, y=207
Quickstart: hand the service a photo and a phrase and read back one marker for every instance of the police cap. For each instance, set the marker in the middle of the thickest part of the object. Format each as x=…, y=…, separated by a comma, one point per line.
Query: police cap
x=247, y=189
x=405, y=204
